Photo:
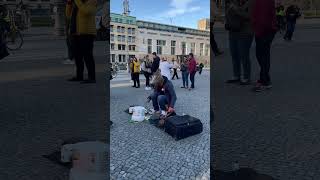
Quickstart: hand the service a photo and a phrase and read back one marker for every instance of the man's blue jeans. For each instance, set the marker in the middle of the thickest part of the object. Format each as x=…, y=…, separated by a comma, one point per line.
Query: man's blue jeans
x=159, y=101
x=240, y=51
x=185, y=79
x=290, y=29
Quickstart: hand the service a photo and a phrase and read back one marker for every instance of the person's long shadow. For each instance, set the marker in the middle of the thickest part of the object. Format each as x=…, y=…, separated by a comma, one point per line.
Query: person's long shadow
x=241, y=174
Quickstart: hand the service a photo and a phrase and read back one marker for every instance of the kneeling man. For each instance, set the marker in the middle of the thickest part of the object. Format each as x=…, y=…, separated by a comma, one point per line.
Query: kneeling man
x=164, y=96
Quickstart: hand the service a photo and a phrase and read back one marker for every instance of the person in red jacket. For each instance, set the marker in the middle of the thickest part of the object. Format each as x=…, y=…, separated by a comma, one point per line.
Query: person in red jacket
x=192, y=69
x=264, y=24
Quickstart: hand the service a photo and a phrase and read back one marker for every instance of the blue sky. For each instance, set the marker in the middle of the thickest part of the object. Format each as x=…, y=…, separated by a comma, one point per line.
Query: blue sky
x=184, y=13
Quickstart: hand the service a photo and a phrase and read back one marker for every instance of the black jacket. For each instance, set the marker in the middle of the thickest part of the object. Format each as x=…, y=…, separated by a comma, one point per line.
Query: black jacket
x=155, y=64
x=169, y=92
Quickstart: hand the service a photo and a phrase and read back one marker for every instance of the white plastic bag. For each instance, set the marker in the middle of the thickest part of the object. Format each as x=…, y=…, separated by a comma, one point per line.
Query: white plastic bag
x=138, y=114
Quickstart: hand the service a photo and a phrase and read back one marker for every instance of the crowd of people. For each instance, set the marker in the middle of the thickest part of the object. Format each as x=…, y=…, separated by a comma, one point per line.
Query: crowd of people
x=259, y=20
x=148, y=67
x=159, y=73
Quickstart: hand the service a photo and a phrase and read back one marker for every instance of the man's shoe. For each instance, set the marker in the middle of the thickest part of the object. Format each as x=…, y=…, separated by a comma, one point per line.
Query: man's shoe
x=245, y=82
x=75, y=79
x=260, y=87
x=88, y=81
x=68, y=62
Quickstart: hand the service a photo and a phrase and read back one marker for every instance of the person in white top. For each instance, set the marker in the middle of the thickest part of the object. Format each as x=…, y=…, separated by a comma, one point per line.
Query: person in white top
x=175, y=69
x=165, y=68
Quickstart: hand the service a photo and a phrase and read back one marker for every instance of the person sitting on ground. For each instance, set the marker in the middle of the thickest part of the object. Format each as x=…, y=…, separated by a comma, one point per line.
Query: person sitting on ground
x=165, y=68
x=164, y=97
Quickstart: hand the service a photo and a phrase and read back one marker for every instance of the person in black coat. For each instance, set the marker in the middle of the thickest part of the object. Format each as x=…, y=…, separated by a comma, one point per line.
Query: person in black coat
x=156, y=63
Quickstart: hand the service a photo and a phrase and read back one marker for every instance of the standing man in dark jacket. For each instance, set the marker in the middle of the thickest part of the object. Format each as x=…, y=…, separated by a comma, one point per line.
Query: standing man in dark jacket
x=292, y=14
x=156, y=63
x=264, y=26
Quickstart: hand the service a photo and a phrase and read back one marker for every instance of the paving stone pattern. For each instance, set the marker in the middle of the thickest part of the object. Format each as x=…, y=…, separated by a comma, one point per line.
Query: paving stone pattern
x=39, y=109
x=274, y=132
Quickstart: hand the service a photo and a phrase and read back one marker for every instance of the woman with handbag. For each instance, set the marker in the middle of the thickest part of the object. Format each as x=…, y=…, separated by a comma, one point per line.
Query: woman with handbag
x=146, y=68
x=238, y=23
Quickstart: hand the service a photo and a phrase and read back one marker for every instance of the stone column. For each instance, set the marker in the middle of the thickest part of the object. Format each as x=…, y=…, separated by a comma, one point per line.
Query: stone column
x=59, y=16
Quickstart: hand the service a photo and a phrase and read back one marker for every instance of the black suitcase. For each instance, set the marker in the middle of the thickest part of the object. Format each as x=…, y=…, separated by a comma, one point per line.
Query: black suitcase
x=155, y=118
x=180, y=127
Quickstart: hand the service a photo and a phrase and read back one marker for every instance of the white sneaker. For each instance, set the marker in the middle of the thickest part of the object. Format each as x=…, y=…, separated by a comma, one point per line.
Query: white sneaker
x=68, y=61
x=146, y=88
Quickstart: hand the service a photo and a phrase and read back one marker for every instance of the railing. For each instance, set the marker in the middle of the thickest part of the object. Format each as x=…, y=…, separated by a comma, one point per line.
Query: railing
x=311, y=13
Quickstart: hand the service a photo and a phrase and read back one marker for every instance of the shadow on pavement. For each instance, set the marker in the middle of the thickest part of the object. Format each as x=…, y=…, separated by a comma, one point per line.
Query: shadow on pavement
x=241, y=174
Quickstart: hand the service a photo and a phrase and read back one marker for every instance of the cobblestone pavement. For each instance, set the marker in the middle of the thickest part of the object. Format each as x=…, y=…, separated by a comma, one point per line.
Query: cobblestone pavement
x=142, y=151
x=274, y=132
x=39, y=109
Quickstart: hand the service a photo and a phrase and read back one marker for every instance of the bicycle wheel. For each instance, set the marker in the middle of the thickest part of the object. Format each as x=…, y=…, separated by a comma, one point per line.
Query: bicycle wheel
x=14, y=40
x=114, y=74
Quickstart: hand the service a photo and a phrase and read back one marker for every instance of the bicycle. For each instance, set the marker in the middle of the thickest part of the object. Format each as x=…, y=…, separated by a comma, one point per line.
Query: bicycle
x=13, y=38
x=114, y=71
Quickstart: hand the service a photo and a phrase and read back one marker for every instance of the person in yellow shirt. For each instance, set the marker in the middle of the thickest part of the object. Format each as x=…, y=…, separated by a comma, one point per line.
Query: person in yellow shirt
x=136, y=73
x=83, y=30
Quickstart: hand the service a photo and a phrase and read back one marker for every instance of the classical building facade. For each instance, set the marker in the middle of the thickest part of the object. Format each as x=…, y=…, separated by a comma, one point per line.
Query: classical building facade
x=169, y=41
x=123, y=37
x=130, y=37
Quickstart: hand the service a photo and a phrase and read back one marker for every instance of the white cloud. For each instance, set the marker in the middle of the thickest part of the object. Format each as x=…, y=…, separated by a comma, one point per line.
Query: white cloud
x=180, y=7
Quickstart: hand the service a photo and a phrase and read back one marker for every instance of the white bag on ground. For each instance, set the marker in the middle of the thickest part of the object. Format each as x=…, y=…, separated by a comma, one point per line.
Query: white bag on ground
x=138, y=114
x=89, y=160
